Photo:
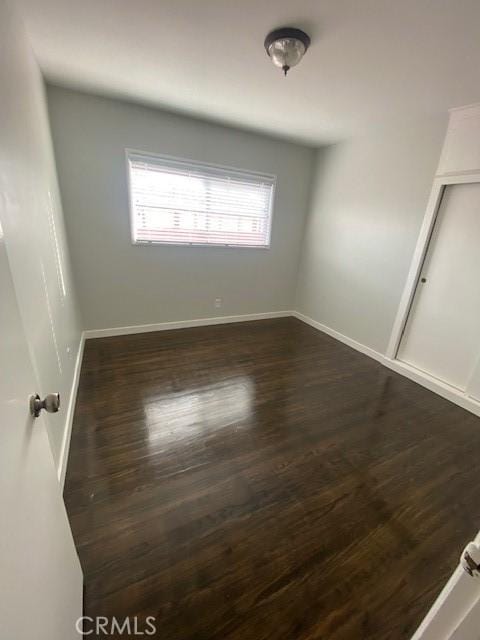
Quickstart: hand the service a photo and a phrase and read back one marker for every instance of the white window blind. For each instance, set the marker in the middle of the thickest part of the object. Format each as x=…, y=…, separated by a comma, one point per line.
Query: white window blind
x=179, y=202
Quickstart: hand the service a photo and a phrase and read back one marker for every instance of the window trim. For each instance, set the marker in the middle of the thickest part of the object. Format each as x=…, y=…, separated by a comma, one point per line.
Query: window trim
x=186, y=161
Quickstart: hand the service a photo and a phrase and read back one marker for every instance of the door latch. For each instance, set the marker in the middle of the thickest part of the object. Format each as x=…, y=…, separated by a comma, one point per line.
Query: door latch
x=470, y=560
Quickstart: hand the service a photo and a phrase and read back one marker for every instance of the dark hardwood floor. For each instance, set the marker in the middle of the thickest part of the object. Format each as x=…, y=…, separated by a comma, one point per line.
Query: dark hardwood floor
x=261, y=480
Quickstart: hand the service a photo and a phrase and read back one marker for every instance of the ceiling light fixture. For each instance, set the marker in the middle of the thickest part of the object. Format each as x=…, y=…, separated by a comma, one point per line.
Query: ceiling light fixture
x=286, y=47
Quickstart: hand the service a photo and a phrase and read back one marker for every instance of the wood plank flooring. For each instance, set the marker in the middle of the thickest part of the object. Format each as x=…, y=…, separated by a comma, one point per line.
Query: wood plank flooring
x=262, y=480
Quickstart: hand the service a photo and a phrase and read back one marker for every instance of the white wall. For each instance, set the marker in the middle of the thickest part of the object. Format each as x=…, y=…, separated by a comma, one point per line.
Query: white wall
x=120, y=284
x=31, y=219
x=368, y=200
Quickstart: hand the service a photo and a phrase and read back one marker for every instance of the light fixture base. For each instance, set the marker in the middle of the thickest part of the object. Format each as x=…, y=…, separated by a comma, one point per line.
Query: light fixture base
x=287, y=32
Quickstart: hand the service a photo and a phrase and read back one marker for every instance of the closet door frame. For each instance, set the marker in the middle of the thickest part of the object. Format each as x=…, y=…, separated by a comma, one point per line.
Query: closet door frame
x=420, y=253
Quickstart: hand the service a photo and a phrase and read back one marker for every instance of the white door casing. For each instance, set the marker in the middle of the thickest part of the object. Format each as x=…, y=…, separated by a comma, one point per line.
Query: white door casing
x=473, y=387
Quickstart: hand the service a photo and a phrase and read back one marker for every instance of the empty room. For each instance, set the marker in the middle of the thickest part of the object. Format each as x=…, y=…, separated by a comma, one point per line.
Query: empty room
x=240, y=319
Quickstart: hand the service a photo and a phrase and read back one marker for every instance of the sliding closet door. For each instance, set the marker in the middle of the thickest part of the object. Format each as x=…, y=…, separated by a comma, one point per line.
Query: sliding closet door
x=442, y=335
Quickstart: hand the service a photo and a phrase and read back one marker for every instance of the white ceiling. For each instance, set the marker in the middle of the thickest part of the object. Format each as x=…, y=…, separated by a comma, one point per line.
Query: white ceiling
x=371, y=61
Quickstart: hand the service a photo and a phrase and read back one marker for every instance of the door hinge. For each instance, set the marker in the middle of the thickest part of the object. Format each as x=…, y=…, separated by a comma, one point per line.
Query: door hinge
x=470, y=560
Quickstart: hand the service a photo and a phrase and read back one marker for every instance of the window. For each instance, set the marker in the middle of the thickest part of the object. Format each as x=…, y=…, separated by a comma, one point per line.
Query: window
x=175, y=201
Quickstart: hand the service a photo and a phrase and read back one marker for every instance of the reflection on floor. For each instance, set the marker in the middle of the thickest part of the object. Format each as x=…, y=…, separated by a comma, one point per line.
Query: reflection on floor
x=261, y=480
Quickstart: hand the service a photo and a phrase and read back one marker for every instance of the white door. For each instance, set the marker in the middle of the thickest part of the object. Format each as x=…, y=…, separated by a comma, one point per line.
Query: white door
x=469, y=627
x=442, y=335
x=455, y=615
x=40, y=575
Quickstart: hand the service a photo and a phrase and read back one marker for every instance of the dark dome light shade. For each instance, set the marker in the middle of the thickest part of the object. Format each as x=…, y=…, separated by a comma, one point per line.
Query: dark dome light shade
x=286, y=47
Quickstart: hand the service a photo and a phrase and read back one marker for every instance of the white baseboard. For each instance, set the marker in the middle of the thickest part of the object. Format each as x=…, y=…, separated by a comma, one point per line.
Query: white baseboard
x=446, y=391
x=182, y=324
x=340, y=337
x=437, y=386
x=67, y=433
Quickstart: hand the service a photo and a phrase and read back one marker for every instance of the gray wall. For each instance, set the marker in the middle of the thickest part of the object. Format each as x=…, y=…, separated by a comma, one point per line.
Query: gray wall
x=368, y=200
x=32, y=222
x=120, y=284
